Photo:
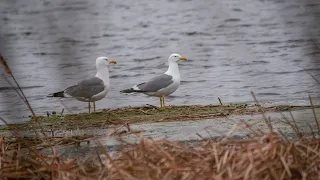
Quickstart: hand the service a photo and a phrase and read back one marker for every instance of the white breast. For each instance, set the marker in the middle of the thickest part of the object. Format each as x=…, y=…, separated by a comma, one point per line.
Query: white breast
x=105, y=78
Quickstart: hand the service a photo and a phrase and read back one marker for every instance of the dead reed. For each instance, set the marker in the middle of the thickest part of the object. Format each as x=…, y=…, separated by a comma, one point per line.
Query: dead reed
x=266, y=157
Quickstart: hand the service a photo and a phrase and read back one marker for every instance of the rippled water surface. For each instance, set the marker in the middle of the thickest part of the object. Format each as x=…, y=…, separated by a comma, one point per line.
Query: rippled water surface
x=270, y=47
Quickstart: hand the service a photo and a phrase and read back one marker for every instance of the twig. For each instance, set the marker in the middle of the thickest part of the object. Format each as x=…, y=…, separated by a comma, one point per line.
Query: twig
x=62, y=111
x=14, y=88
x=314, y=77
x=128, y=126
x=9, y=72
x=262, y=112
x=206, y=129
x=220, y=101
x=7, y=124
x=282, y=134
x=314, y=114
x=310, y=73
x=26, y=144
x=249, y=127
x=5, y=65
x=294, y=126
x=311, y=131
x=202, y=138
x=22, y=95
x=294, y=122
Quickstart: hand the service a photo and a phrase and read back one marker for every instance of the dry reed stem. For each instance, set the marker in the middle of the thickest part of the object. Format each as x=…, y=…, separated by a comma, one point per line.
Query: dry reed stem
x=314, y=114
x=262, y=112
x=5, y=65
x=22, y=95
x=262, y=157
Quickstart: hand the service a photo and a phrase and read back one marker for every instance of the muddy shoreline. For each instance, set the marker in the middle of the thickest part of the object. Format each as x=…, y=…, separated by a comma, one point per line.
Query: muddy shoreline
x=144, y=115
x=185, y=124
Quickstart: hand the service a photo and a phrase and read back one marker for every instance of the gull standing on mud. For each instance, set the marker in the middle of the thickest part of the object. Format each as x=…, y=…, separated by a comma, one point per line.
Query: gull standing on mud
x=162, y=85
x=91, y=89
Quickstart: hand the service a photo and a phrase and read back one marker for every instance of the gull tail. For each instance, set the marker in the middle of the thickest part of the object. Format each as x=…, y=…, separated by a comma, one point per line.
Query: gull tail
x=132, y=90
x=57, y=94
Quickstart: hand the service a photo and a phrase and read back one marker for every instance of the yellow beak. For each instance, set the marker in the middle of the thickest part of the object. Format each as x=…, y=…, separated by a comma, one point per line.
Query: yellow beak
x=183, y=59
x=113, y=62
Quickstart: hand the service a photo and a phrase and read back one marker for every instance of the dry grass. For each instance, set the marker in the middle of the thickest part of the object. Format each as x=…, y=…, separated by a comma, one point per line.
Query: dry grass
x=266, y=157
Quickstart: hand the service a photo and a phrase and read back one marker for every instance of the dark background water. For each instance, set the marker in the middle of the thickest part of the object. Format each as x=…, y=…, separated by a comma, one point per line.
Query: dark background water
x=269, y=46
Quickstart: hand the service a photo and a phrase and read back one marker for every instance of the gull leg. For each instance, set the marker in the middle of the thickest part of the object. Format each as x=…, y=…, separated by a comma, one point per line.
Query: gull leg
x=94, y=106
x=163, y=102
x=89, y=107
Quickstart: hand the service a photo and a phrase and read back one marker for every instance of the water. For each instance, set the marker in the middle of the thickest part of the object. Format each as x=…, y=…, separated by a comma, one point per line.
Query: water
x=233, y=47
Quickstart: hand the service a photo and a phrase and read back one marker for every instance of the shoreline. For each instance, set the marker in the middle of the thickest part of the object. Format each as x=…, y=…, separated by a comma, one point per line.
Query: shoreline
x=145, y=115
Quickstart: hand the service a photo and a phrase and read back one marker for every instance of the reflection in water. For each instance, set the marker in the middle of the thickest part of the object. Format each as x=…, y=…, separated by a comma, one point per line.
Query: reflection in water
x=234, y=47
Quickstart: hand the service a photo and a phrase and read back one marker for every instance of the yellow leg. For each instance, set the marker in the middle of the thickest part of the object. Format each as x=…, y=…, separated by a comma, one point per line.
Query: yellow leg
x=89, y=107
x=94, y=106
x=163, y=102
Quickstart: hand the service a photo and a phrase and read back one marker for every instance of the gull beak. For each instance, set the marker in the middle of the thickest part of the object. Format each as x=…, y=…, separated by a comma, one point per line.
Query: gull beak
x=183, y=59
x=113, y=62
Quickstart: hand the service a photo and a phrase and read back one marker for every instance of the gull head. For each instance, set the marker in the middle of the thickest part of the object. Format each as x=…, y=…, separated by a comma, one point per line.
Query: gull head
x=176, y=58
x=104, y=61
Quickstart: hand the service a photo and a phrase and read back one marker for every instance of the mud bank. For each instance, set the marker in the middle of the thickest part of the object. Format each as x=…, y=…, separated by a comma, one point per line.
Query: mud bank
x=186, y=128
x=108, y=118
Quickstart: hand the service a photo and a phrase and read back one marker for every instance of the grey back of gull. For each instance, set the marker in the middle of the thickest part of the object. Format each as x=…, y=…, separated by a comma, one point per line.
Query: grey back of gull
x=86, y=88
x=156, y=83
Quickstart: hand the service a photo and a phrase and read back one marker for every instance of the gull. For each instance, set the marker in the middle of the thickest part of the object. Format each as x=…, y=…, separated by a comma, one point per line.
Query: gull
x=92, y=89
x=162, y=85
